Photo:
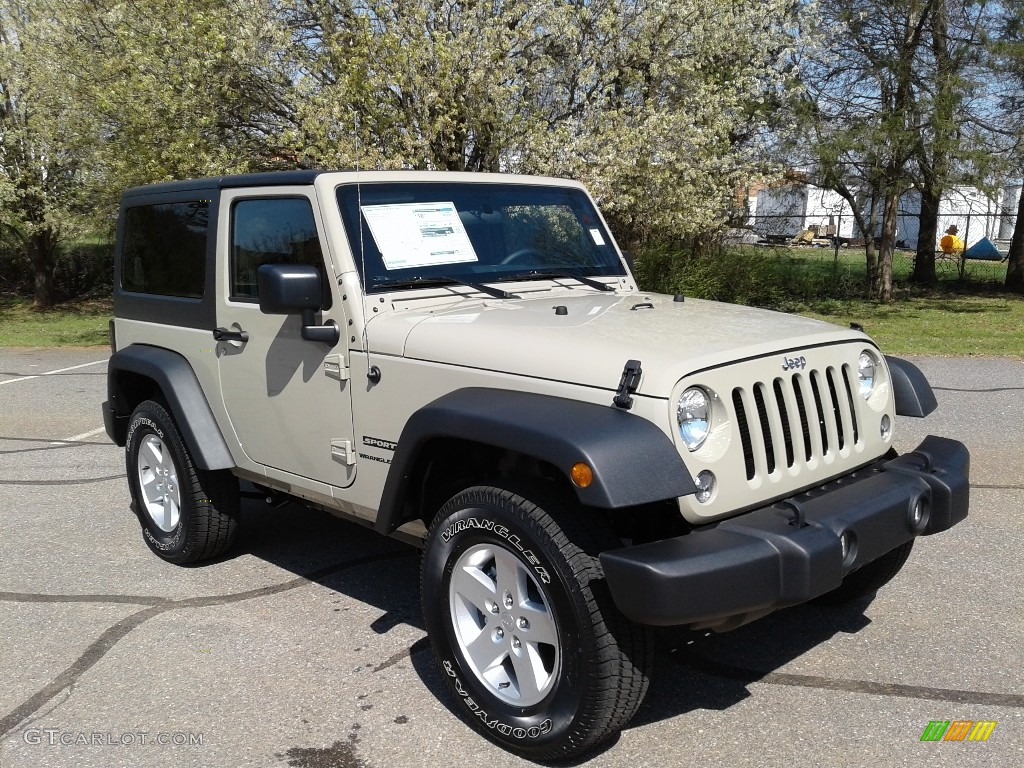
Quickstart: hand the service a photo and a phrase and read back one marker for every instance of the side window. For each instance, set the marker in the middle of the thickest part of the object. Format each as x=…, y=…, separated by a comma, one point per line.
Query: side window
x=164, y=249
x=271, y=231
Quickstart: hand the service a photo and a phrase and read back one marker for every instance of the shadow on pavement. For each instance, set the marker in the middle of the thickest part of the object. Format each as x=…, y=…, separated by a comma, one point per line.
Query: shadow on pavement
x=693, y=670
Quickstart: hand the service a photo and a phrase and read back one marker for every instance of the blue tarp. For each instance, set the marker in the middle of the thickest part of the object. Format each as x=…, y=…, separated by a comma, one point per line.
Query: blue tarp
x=983, y=249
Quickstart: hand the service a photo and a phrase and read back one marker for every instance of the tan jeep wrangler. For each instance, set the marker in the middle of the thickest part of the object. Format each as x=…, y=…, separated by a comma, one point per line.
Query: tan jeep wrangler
x=465, y=361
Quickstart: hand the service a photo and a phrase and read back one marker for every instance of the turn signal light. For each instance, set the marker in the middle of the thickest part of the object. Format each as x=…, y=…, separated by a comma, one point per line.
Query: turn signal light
x=582, y=475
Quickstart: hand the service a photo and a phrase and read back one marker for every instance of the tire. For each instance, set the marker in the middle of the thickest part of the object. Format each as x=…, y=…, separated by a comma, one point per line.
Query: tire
x=523, y=627
x=868, y=579
x=187, y=514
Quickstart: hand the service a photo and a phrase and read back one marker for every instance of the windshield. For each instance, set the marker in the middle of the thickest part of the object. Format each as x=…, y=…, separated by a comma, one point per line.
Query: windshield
x=413, y=234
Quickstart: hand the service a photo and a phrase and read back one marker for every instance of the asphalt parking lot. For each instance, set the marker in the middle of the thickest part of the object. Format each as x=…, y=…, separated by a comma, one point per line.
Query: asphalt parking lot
x=305, y=646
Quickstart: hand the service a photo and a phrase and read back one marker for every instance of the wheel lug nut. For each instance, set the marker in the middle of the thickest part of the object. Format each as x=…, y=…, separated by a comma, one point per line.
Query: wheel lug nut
x=515, y=642
x=523, y=623
x=494, y=608
x=508, y=601
x=499, y=633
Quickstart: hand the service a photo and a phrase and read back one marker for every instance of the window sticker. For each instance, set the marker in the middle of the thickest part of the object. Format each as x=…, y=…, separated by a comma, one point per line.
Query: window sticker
x=419, y=234
x=596, y=235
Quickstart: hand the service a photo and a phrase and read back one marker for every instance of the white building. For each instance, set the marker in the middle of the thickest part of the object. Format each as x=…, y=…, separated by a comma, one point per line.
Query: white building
x=974, y=213
x=784, y=212
x=1008, y=211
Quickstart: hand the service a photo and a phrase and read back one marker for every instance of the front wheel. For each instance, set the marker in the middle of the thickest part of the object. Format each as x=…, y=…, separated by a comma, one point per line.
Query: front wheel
x=523, y=627
x=187, y=514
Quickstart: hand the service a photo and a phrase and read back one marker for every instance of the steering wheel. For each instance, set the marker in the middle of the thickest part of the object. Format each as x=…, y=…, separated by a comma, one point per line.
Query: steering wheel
x=524, y=254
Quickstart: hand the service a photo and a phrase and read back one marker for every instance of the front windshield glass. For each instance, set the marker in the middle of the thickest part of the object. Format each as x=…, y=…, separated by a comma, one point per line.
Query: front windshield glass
x=412, y=234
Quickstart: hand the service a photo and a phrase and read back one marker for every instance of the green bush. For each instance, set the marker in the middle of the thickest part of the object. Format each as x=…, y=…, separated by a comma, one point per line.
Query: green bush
x=776, y=279
x=83, y=269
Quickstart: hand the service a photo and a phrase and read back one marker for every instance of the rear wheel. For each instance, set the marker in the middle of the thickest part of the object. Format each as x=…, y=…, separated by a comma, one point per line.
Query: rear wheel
x=869, y=579
x=521, y=623
x=187, y=514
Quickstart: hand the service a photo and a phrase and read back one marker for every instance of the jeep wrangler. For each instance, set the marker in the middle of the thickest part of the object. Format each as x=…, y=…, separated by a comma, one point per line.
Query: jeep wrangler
x=466, y=362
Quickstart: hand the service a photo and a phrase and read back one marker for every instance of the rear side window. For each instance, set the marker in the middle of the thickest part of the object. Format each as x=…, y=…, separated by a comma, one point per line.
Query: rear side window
x=271, y=231
x=164, y=249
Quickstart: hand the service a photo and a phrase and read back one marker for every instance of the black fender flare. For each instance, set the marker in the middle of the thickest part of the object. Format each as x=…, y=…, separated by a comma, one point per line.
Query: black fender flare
x=184, y=397
x=633, y=462
x=910, y=388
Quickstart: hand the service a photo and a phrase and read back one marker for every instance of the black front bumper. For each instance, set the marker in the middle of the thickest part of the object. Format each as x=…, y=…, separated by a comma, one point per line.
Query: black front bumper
x=791, y=551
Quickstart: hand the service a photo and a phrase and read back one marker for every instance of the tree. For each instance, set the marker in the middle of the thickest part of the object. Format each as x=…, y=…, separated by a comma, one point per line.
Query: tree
x=955, y=141
x=862, y=109
x=897, y=99
x=45, y=140
x=181, y=89
x=1008, y=50
x=657, y=105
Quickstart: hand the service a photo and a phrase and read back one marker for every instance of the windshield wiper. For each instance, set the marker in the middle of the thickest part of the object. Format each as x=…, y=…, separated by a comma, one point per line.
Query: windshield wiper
x=569, y=276
x=421, y=282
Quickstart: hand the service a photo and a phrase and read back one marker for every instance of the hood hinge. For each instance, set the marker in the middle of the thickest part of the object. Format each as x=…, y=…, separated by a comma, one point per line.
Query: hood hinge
x=628, y=384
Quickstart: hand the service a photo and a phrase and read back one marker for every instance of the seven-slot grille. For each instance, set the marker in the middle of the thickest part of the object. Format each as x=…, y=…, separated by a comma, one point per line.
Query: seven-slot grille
x=796, y=419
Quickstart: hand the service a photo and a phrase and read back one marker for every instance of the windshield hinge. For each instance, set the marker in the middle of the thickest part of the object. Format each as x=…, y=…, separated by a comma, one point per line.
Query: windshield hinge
x=628, y=384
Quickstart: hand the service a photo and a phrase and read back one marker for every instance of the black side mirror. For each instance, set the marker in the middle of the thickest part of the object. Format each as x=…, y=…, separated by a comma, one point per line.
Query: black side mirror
x=289, y=288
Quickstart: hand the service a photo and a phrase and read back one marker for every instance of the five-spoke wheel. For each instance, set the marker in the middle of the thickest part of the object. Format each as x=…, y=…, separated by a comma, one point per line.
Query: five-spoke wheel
x=187, y=513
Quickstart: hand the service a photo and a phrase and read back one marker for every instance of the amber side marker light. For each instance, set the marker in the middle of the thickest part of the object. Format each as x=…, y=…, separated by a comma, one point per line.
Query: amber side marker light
x=582, y=475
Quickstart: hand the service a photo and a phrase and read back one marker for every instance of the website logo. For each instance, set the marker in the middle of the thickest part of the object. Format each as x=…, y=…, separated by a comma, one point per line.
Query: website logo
x=958, y=730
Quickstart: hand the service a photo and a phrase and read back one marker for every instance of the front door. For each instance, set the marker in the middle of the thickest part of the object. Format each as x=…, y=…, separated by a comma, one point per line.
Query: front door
x=288, y=399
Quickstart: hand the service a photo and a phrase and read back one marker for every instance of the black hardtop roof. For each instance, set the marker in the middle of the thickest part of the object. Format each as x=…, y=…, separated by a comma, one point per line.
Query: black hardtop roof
x=267, y=179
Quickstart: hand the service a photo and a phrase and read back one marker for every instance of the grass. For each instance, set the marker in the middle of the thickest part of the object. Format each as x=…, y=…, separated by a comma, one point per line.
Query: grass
x=967, y=314
x=939, y=325
x=948, y=324
x=73, y=324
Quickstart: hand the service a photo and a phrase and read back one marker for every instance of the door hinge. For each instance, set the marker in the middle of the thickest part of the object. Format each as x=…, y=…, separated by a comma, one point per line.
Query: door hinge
x=342, y=452
x=335, y=367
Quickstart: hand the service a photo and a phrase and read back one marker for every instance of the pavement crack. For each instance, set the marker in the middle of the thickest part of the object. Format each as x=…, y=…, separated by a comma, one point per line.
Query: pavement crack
x=79, y=481
x=157, y=605
x=48, y=443
x=998, y=487
x=420, y=645
x=86, y=661
x=983, y=389
x=714, y=668
x=33, y=597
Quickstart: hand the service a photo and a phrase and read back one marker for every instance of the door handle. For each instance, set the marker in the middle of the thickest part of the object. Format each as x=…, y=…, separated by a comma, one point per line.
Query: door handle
x=223, y=334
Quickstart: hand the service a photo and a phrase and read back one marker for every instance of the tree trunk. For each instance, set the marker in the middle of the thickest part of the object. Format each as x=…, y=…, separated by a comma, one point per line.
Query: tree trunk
x=888, y=240
x=927, y=236
x=870, y=252
x=41, y=251
x=1015, y=267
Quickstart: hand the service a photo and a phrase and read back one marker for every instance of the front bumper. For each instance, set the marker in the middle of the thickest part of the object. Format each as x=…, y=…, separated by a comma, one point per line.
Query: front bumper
x=789, y=552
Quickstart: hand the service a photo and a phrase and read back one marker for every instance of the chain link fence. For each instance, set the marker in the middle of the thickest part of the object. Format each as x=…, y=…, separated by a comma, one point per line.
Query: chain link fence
x=833, y=234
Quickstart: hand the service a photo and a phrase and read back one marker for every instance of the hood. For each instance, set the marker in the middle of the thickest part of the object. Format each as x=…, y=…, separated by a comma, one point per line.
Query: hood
x=590, y=343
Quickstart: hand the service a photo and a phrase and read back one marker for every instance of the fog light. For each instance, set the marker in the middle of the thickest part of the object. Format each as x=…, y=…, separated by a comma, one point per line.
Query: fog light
x=848, y=546
x=886, y=428
x=705, y=486
x=918, y=517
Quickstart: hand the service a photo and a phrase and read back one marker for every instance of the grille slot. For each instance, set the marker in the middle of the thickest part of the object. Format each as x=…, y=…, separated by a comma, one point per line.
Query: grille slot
x=798, y=418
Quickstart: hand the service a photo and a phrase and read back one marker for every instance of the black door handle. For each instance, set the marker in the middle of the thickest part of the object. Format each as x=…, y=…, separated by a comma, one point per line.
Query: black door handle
x=223, y=334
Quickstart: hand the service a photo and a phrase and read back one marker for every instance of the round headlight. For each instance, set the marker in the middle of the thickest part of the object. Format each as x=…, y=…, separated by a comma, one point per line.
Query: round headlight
x=693, y=412
x=866, y=374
